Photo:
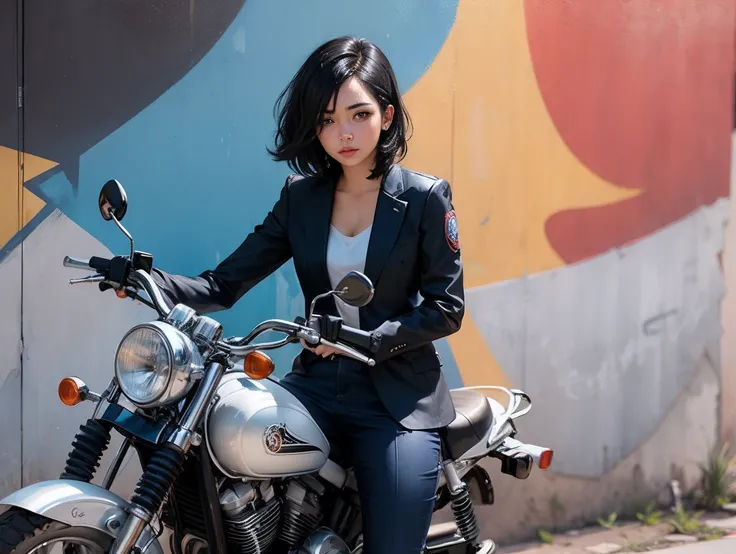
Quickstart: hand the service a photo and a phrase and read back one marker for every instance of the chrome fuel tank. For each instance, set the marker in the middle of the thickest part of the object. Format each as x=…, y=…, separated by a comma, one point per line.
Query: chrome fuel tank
x=257, y=429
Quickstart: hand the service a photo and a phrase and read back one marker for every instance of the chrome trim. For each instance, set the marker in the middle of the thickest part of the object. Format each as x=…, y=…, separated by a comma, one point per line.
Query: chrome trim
x=125, y=402
x=454, y=483
x=98, y=278
x=76, y=263
x=80, y=504
x=314, y=302
x=462, y=467
x=85, y=394
x=294, y=331
x=182, y=317
x=110, y=392
x=243, y=351
x=131, y=533
x=206, y=330
x=124, y=231
x=324, y=541
x=146, y=282
x=511, y=447
x=349, y=352
x=185, y=362
x=521, y=394
x=334, y=473
x=183, y=434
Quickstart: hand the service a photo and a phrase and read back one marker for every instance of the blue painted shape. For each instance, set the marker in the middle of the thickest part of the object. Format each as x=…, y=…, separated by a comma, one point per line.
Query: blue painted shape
x=194, y=162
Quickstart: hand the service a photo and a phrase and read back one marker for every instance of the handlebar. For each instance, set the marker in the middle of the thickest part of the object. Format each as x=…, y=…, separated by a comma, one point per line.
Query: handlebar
x=310, y=336
x=142, y=280
x=146, y=282
x=95, y=262
x=138, y=278
x=76, y=263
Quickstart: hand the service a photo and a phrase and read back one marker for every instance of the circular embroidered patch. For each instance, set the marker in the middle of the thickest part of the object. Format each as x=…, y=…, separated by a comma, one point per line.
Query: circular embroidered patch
x=451, y=233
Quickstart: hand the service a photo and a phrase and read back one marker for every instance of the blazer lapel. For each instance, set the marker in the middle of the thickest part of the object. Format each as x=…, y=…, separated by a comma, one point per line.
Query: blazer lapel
x=321, y=213
x=387, y=221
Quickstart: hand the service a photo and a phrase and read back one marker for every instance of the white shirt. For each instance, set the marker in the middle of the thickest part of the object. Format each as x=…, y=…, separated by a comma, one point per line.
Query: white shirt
x=345, y=254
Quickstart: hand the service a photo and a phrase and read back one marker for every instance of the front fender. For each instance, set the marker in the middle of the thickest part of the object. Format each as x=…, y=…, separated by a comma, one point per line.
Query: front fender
x=79, y=504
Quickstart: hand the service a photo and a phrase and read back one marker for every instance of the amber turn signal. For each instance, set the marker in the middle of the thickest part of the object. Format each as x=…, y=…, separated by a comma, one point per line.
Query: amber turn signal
x=258, y=365
x=71, y=391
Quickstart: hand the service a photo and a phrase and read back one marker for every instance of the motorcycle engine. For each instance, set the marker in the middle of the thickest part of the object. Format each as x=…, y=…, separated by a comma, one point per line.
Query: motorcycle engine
x=302, y=509
x=250, y=515
x=255, y=517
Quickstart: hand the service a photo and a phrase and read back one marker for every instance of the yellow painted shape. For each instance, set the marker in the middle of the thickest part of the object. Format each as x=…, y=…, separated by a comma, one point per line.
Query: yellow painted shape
x=11, y=207
x=8, y=194
x=481, y=122
x=430, y=150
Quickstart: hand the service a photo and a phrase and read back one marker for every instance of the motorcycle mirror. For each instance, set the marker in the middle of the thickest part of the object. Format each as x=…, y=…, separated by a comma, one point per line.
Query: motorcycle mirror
x=113, y=201
x=355, y=289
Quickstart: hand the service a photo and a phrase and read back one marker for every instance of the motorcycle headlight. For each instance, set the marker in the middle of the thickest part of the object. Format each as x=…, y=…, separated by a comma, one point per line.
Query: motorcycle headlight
x=156, y=364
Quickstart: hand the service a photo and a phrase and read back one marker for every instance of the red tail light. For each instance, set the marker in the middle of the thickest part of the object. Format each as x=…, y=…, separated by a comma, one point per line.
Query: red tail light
x=545, y=460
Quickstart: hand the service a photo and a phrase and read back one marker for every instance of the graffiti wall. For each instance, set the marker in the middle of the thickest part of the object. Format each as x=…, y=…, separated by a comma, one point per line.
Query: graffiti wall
x=589, y=149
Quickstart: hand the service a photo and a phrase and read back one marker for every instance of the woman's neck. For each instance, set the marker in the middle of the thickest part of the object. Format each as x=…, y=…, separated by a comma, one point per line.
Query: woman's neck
x=355, y=179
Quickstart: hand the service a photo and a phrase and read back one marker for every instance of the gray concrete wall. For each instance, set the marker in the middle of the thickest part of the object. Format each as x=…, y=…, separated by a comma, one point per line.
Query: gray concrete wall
x=728, y=339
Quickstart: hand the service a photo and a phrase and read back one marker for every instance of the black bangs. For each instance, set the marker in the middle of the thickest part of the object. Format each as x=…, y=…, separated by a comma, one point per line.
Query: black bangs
x=302, y=104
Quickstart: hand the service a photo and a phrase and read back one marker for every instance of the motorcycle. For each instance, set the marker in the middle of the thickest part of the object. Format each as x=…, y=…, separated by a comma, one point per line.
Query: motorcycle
x=231, y=461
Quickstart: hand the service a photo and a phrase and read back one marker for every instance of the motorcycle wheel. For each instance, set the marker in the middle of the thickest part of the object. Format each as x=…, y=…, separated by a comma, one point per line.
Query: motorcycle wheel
x=23, y=532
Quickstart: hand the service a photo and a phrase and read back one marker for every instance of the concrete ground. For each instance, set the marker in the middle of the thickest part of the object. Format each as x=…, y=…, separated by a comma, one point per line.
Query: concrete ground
x=722, y=546
x=636, y=537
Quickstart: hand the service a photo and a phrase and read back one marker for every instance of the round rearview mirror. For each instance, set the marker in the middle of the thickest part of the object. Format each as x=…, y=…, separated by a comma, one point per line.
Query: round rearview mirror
x=113, y=201
x=355, y=289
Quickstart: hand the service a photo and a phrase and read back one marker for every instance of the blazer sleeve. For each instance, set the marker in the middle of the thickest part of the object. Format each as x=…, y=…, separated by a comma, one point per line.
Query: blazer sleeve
x=262, y=252
x=441, y=284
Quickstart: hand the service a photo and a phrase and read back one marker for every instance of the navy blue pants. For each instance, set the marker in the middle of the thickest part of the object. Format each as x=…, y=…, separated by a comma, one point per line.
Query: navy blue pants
x=396, y=469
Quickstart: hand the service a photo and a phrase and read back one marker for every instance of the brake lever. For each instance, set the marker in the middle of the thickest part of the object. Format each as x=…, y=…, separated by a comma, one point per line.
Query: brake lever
x=98, y=278
x=350, y=352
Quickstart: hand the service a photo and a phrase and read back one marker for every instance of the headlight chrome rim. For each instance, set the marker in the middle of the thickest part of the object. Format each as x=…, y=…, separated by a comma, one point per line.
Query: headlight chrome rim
x=185, y=365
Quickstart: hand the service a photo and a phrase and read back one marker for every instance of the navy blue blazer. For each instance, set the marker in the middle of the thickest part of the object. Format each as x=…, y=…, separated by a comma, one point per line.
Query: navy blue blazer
x=413, y=260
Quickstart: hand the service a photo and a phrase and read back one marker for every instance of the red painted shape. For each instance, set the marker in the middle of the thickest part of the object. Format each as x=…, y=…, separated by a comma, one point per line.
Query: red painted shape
x=641, y=92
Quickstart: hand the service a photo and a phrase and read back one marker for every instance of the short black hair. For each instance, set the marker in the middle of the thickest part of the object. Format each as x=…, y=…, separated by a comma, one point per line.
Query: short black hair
x=302, y=103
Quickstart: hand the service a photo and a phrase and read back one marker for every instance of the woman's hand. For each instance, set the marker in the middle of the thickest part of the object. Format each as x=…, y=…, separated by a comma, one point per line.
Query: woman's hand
x=321, y=350
x=329, y=328
x=325, y=351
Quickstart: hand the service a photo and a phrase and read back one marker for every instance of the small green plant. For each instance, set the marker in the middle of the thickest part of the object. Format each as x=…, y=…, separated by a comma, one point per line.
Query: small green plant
x=545, y=536
x=610, y=522
x=717, y=478
x=686, y=523
x=650, y=516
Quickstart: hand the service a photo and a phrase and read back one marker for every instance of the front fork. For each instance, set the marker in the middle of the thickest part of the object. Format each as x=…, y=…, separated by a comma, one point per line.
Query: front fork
x=166, y=464
x=162, y=469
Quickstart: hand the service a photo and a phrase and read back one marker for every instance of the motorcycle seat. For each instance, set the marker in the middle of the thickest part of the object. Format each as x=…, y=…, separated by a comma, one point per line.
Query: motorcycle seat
x=473, y=420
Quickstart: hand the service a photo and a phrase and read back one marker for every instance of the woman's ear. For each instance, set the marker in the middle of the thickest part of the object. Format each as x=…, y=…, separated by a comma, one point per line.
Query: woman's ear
x=388, y=117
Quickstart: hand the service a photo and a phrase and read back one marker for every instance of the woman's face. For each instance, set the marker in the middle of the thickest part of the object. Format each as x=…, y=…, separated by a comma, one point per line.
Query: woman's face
x=352, y=125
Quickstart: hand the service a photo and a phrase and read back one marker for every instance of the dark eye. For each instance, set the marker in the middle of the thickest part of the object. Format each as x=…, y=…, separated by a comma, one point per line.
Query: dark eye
x=327, y=121
x=362, y=115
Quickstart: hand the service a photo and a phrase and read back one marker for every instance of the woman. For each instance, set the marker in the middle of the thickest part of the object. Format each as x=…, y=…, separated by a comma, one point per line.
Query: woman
x=342, y=127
